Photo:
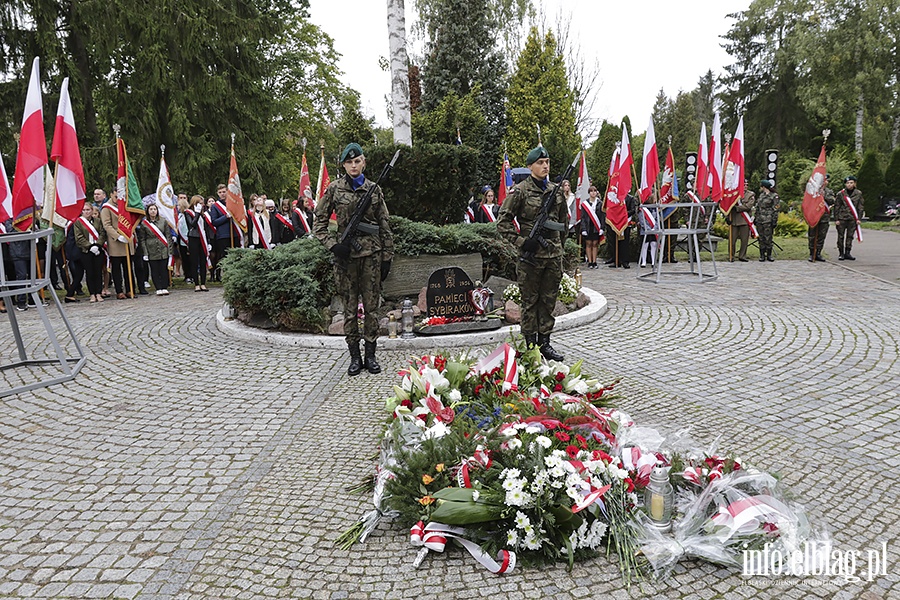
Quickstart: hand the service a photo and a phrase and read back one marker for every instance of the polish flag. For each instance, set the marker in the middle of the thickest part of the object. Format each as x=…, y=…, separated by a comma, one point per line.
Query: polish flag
x=733, y=182
x=584, y=184
x=28, y=185
x=650, y=163
x=619, y=186
x=305, y=197
x=506, y=180
x=6, y=209
x=715, y=161
x=70, y=187
x=814, y=207
x=667, y=191
x=702, y=179
x=234, y=196
x=324, y=180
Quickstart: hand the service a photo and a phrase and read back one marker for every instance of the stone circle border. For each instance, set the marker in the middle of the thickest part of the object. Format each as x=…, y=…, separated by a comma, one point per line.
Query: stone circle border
x=238, y=330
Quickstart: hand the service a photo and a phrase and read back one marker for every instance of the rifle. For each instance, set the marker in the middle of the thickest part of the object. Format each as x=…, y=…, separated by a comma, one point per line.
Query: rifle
x=547, y=199
x=353, y=226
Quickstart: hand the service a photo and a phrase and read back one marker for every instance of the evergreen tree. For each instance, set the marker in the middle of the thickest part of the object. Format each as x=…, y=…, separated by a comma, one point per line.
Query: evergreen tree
x=539, y=94
x=439, y=125
x=185, y=75
x=353, y=126
x=600, y=154
x=892, y=176
x=704, y=98
x=870, y=181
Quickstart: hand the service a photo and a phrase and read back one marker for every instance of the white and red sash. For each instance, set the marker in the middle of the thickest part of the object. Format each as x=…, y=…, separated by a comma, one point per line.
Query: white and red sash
x=111, y=207
x=257, y=225
x=752, y=225
x=285, y=221
x=202, y=231
x=303, y=220
x=489, y=213
x=470, y=215
x=92, y=231
x=434, y=537
x=587, y=209
x=648, y=217
x=2, y=228
x=855, y=214
x=516, y=224
x=156, y=232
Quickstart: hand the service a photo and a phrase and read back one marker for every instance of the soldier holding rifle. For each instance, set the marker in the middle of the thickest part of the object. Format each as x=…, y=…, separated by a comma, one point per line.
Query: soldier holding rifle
x=363, y=249
x=542, y=214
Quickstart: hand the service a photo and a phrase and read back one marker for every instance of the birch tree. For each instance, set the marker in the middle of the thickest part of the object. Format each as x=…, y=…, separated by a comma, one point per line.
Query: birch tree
x=399, y=72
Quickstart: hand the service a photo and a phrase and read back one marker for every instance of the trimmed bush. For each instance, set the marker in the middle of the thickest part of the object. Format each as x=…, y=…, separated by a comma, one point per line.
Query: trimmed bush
x=790, y=225
x=430, y=183
x=291, y=284
x=870, y=181
x=892, y=176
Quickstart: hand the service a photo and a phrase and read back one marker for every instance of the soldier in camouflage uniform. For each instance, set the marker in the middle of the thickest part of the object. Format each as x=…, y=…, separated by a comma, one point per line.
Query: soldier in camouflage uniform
x=539, y=279
x=358, y=273
x=765, y=218
x=845, y=220
x=816, y=235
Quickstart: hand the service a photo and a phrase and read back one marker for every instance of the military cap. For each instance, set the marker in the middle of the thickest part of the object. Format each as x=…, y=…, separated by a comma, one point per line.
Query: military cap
x=351, y=151
x=849, y=178
x=767, y=184
x=535, y=155
x=485, y=189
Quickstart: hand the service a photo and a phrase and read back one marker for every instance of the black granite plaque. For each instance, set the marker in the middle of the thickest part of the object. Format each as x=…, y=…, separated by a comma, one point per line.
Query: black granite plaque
x=448, y=294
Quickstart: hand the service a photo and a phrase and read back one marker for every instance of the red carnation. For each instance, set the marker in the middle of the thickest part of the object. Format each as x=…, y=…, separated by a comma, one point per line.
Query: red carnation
x=572, y=451
x=562, y=436
x=440, y=363
x=629, y=485
x=478, y=389
x=581, y=441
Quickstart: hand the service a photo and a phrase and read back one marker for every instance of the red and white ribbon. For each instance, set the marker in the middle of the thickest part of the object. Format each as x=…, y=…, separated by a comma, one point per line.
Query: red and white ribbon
x=852, y=208
x=751, y=224
x=489, y=213
x=303, y=220
x=156, y=232
x=285, y=221
x=592, y=215
x=751, y=512
x=511, y=368
x=434, y=537
x=635, y=460
x=648, y=217
x=92, y=231
x=516, y=224
x=260, y=232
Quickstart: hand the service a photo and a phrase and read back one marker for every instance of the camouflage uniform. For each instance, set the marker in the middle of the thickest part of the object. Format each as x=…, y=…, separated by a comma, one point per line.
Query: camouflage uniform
x=845, y=221
x=816, y=235
x=538, y=283
x=765, y=219
x=361, y=277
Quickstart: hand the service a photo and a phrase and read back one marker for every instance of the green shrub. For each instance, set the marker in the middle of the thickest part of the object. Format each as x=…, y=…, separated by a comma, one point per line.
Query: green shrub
x=892, y=176
x=870, y=181
x=430, y=183
x=290, y=284
x=790, y=225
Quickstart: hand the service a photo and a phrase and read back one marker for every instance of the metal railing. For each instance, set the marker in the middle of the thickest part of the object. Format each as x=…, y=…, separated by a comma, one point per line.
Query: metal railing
x=699, y=219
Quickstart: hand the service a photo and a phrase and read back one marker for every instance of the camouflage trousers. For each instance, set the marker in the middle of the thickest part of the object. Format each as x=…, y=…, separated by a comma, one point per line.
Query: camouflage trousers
x=360, y=280
x=846, y=230
x=766, y=232
x=539, y=286
x=816, y=237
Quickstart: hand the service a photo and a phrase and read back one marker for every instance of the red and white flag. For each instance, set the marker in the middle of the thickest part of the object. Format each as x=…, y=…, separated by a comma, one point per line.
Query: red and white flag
x=28, y=185
x=702, y=179
x=733, y=180
x=619, y=186
x=506, y=180
x=650, y=163
x=305, y=197
x=234, y=196
x=70, y=187
x=814, y=206
x=582, y=194
x=6, y=210
x=715, y=161
x=323, y=182
x=623, y=185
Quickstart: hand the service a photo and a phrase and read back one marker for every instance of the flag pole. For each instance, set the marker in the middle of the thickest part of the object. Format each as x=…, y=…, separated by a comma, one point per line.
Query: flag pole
x=117, y=128
x=231, y=221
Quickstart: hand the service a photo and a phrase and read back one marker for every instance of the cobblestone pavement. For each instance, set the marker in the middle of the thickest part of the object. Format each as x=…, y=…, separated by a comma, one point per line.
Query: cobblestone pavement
x=184, y=464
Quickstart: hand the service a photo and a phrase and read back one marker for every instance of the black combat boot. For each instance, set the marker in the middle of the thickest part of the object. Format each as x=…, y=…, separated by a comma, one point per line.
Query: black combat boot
x=547, y=350
x=356, y=364
x=530, y=340
x=848, y=257
x=769, y=256
x=840, y=253
x=371, y=364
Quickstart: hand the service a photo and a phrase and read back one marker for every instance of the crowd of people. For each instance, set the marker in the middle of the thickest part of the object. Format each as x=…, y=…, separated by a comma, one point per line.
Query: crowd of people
x=97, y=261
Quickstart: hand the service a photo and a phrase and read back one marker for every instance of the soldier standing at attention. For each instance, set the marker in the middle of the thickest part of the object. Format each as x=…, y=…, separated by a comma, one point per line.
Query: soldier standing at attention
x=844, y=217
x=358, y=273
x=817, y=234
x=539, y=278
x=766, y=216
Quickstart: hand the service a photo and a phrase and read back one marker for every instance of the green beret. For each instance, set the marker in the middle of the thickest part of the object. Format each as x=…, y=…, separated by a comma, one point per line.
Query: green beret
x=351, y=151
x=849, y=178
x=767, y=184
x=535, y=155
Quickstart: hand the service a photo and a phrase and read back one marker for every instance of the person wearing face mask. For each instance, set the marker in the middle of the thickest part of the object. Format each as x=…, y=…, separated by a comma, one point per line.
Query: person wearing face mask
x=360, y=271
x=538, y=277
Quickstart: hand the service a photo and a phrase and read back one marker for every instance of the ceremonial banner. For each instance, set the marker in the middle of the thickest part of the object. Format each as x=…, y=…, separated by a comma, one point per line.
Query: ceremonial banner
x=31, y=159
x=649, y=164
x=715, y=161
x=70, y=187
x=324, y=180
x=130, y=207
x=667, y=192
x=305, y=196
x=619, y=186
x=506, y=180
x=733, y=181
x=165, y=195
x=6, y=210
x=702, y=179
x=814, y=207
x=234, y=197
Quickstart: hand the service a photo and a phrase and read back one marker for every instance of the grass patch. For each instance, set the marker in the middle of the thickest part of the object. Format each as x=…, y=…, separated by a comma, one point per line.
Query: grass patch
x=792, y=248
x=892, y=225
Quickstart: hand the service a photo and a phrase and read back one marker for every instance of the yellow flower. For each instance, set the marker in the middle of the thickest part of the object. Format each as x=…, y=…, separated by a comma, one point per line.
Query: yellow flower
x=426, y=500
x=426, y=479
x=439, y=467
